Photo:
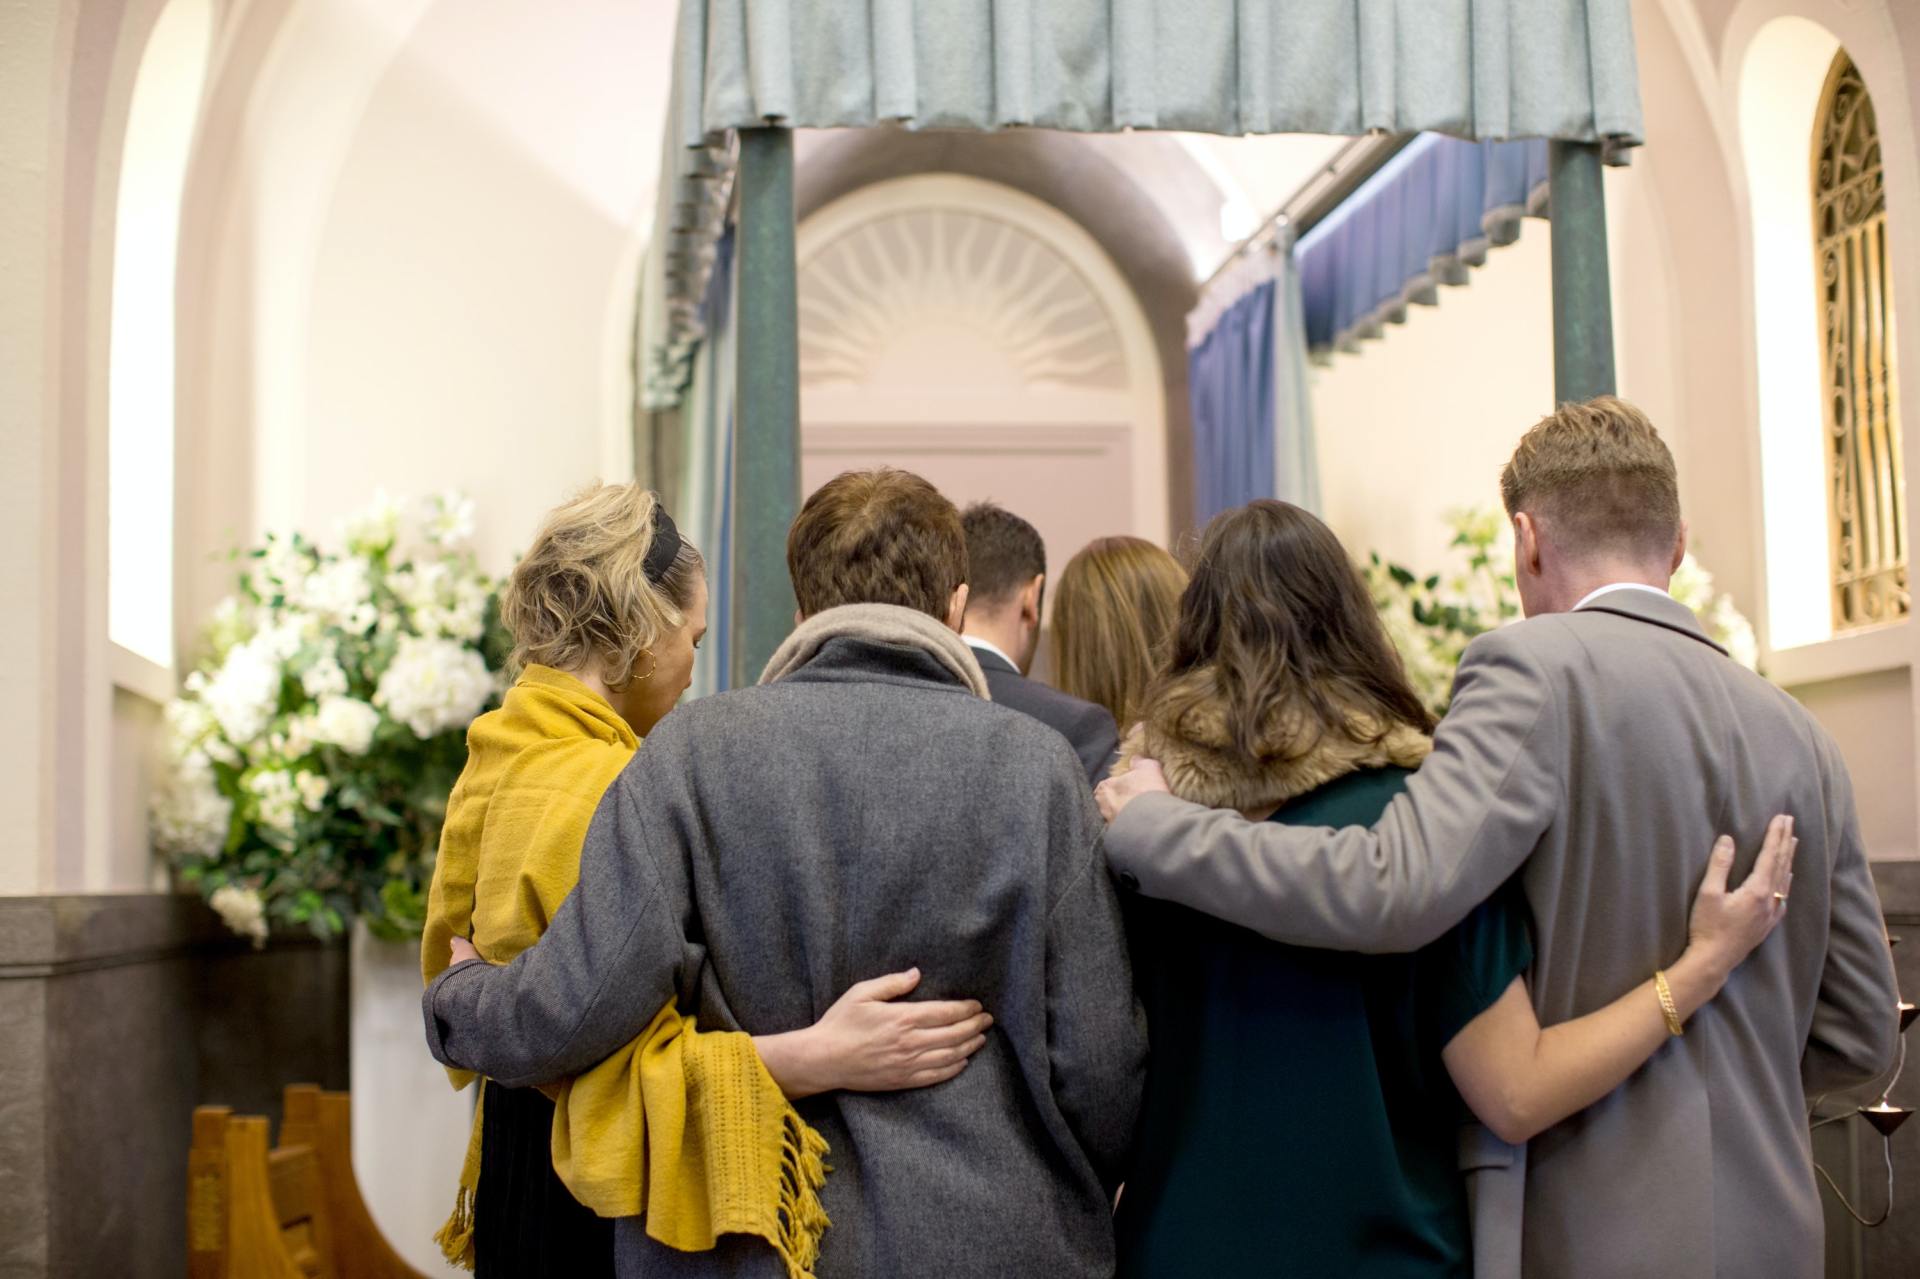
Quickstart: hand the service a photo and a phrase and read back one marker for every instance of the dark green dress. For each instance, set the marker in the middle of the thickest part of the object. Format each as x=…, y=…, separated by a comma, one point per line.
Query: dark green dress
x=1298, y=1119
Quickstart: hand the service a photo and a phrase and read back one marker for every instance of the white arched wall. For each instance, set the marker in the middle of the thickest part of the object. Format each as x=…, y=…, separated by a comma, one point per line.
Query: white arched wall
x=1860, y=684
x=1780, y=82
x=909, y=407
x=419, y=242
x=73, y=770
x=167, y=92
x=1758, y=54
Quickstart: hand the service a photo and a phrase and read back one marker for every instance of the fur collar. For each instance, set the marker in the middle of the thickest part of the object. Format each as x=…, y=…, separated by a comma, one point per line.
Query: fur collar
x=884, y=624
x=1203, y=766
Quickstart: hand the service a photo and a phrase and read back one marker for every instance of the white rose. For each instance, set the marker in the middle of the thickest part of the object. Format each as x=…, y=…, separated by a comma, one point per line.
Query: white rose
x=299, y=741
x=374, y=530
x=434, y=685
x=284, y=636
x=420, y=585
x=466, y=624
x=283, y=564
x=346, y=722
x=277, y=802
x=324, y=678
x=1691, y=584
x=189, y=723
x=471, y=596
x=190, y=816
x=313, y=789
x=245, y=692
x=242, y=910
x=449, y=520
x=341, y=591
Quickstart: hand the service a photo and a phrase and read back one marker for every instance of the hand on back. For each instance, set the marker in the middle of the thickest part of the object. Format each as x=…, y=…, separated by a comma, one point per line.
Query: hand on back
x=875, y=1040
x=1727, y=924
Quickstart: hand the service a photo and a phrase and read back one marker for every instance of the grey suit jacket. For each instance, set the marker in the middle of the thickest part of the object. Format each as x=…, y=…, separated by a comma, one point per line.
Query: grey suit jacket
x=1088, y=728
x=1603, y=751
x=769, y=847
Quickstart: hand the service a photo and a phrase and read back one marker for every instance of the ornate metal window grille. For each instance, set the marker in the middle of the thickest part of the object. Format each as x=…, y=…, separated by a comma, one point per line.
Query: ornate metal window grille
x=1866, y=478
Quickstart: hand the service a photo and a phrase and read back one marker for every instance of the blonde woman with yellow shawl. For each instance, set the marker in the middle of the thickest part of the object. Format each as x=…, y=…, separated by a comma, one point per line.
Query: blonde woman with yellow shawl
x=690, y=1128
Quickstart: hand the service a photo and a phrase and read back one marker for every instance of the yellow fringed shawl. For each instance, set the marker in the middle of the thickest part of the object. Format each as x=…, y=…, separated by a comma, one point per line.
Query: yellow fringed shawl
x=685, y=1128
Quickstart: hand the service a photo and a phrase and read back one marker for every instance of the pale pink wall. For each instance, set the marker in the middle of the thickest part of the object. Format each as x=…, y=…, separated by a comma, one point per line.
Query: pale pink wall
x=1072, y=483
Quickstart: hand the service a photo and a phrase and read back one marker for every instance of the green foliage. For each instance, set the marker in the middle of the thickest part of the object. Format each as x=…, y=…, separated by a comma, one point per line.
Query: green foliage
x=1432, y=619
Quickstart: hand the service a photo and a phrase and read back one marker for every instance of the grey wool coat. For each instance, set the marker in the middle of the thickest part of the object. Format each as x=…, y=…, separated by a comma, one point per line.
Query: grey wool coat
x=769, y=847
x=1599, y=753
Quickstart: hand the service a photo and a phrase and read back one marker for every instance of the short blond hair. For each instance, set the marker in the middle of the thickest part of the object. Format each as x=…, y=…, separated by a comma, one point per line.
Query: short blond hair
x=581, y=594
x=1600, y=477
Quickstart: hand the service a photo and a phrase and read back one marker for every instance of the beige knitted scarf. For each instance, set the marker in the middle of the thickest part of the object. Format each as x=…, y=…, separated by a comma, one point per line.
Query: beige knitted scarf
x=881, y=624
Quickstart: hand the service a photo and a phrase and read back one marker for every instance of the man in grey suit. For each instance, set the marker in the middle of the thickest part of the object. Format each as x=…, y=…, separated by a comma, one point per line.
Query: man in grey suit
x=1596, y=749
x=1007, y=581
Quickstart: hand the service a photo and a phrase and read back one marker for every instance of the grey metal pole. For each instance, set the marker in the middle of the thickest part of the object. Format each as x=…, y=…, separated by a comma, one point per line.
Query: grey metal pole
x=766, y=451
x=1582, y=300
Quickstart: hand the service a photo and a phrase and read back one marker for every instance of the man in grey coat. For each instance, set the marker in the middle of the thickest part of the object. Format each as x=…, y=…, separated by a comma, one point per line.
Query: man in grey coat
x=863, y=811
x=1596, y=749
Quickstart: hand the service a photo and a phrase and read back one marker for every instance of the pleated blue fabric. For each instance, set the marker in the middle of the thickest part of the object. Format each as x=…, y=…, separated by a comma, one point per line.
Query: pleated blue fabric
x=1230, y=384
x=1247, y=386
x=1428, y=216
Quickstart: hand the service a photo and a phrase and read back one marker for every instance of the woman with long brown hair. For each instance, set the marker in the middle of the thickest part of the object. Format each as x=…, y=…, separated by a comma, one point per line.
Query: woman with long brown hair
x=1113, y=613
x=1303, y=1107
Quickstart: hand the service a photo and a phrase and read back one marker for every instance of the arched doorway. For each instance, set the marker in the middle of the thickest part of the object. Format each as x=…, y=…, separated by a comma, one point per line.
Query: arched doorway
x=971, y=333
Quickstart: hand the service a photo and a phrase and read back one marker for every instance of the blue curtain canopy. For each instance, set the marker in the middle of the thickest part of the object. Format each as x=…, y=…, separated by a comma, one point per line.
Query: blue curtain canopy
x=1476, y=69
x=1230, y=383
x=1429, y=215
x=1247, y=384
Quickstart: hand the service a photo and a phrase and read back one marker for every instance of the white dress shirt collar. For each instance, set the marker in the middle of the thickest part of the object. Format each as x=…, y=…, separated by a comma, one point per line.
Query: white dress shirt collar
x=1593, y=595
x=988, y=646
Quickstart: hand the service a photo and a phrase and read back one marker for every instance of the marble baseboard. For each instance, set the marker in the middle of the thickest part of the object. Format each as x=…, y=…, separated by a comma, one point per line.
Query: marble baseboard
x=118, y=1015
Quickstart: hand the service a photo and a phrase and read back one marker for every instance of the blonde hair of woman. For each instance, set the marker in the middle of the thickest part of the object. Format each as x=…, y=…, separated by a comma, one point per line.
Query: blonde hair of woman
x=1113, y=618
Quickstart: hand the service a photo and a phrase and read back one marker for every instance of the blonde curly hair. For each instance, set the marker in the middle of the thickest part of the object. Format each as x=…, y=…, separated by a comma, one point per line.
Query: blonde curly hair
x=581, y=594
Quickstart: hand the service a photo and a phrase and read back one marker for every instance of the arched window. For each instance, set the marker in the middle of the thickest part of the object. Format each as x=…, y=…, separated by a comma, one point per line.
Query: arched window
x=146, y=246
x=1866, y=485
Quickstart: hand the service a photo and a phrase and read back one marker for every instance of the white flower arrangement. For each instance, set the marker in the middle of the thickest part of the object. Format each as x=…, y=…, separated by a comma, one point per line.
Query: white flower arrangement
x=1431, y=620
x=310, y=756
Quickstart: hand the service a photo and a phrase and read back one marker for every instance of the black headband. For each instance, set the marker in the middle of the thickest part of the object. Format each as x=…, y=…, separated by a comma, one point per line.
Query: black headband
x=664, y=549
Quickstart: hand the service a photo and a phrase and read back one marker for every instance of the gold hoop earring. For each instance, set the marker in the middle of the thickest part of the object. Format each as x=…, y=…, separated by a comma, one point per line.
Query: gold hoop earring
x=648, y=674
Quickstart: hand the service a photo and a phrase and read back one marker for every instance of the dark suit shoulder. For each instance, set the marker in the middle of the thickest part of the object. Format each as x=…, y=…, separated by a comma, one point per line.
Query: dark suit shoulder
x=1088, y=728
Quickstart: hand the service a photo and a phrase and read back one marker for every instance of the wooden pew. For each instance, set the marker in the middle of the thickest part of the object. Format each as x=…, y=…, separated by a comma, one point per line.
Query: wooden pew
x=324, y=1121
x=292, y=1212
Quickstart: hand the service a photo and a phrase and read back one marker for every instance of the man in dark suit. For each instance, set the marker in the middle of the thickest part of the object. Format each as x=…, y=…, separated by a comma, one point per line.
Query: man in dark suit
x=1007, y=574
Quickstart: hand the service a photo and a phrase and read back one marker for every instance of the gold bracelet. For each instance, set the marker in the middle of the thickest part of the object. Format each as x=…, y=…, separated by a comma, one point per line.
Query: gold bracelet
x=1667, y=1009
